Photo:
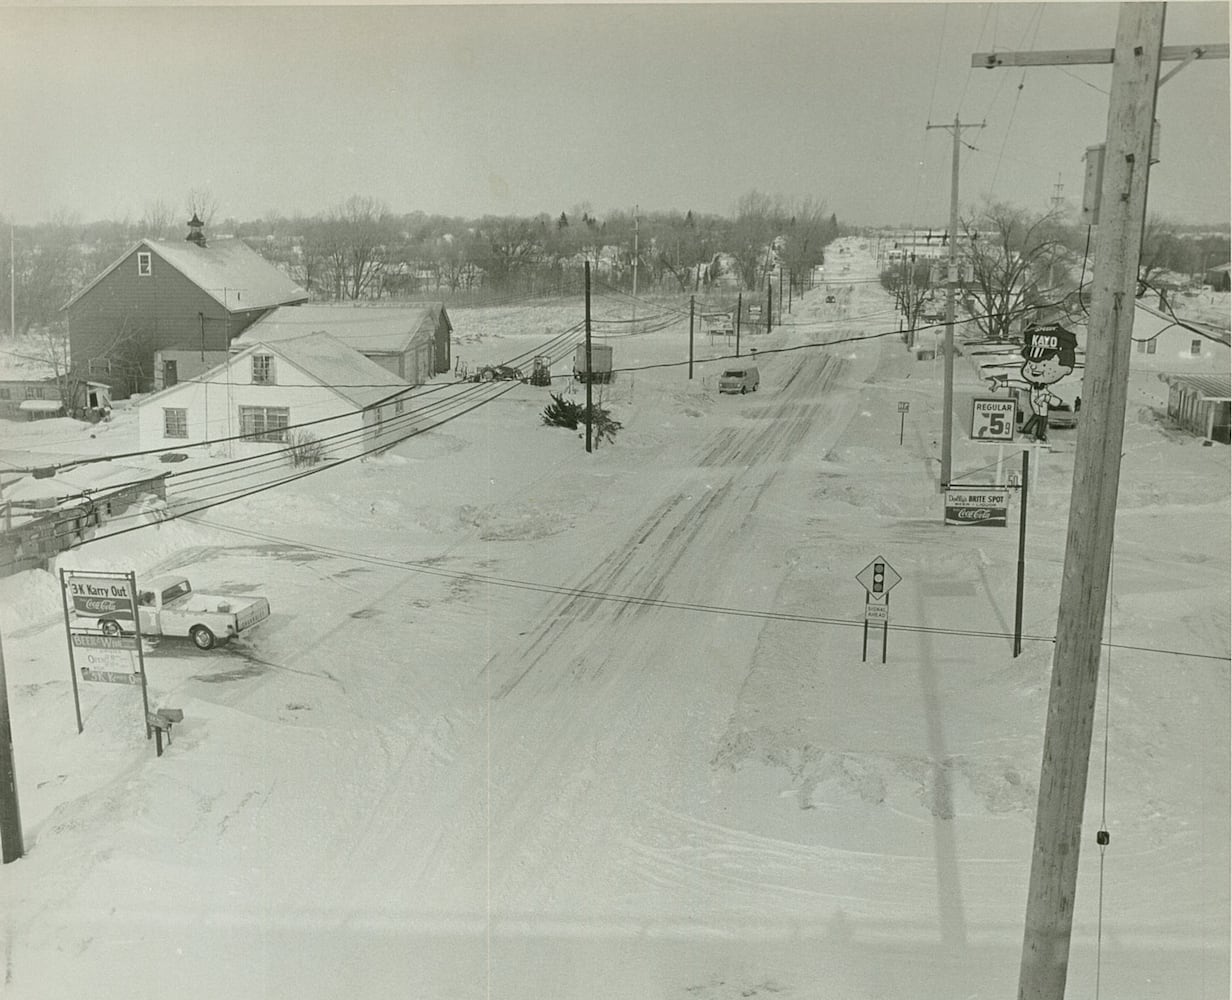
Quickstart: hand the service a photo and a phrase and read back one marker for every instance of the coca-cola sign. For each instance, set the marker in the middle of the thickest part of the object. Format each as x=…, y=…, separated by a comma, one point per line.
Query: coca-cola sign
x=984, y=517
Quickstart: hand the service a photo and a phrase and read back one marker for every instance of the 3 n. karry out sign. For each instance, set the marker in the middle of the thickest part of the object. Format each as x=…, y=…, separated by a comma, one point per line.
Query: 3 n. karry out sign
x=98, y=596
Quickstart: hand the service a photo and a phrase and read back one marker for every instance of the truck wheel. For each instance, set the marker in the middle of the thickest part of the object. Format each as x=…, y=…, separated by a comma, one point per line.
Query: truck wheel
x=743, y=390
x=202, y=637
x=109, y=627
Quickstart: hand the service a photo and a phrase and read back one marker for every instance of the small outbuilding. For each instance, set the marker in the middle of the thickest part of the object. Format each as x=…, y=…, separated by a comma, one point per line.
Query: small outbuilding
x=413, y=342
x=1201, y=403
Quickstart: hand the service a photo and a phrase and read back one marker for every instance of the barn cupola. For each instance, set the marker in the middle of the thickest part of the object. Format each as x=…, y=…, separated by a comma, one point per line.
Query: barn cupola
x=195, y=234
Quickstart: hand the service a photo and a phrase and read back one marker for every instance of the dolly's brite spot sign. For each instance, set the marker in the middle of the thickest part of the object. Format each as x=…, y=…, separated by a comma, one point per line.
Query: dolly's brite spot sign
x=976, y=509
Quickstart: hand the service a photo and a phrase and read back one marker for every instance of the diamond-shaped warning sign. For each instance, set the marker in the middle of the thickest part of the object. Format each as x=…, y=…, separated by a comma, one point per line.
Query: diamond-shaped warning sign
x=878, y=577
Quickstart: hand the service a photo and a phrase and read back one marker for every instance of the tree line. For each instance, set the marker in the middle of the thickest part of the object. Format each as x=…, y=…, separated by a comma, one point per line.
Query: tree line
x=1019, y=266
x=359, y=249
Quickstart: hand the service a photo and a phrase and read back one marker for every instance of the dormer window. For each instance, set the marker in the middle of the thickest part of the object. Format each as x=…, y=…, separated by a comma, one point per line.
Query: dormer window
x=145, y=265
x=262, y=369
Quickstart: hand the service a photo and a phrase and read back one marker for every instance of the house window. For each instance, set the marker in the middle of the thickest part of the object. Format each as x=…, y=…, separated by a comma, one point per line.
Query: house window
x=1195, y=348
x=1150, y=346
x=100, y=366
x=145, y=266
x=34, y=392
x=5, y=394
x=262, y=369
x=175, y=422
x=399, y=405
x=264, y=423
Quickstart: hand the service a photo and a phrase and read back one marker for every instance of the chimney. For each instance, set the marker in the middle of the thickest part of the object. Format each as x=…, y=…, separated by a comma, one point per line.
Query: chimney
x=195, y=235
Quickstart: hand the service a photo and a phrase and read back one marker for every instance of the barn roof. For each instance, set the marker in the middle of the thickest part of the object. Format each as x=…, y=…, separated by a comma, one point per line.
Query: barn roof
x=227, y=270
x=367, y=329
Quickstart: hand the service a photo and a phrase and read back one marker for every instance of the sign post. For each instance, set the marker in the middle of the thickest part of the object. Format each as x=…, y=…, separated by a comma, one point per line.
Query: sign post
x=878, y=578
x=903, y=407
x=103, y=624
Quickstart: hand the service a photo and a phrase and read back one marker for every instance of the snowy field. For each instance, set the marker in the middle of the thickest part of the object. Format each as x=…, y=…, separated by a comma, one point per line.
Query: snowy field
x=531, y=723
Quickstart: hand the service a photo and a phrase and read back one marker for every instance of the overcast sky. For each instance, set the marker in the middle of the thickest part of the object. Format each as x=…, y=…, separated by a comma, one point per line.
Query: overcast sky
x=468, y=110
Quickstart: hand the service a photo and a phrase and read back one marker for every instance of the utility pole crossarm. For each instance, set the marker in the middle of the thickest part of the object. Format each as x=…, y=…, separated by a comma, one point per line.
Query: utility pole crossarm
x=1091, y=57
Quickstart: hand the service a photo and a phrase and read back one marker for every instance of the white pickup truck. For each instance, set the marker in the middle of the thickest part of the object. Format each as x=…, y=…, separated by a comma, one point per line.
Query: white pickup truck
x=167, y=605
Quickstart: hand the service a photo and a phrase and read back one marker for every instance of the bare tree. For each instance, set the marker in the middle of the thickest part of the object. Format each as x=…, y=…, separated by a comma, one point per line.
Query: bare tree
x=352, y=242
x=1010, y=251
x=158, y=220
x=760, y=220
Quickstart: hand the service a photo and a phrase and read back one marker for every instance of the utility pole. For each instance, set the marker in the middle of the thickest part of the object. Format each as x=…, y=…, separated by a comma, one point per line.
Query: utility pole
x=769, y=303
x=589, y=371
x=10, y=809
x=739, y=313
x=690, y=338
x=947, y=409
x=635, y=253
x=1057, y=188
x=1135, y=62
x=12, y=286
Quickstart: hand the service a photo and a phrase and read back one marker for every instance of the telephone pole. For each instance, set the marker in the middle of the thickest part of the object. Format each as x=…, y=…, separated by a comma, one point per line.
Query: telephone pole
x=10, y=809
x=635, y=253
x=947, y=410
x=1092, y=514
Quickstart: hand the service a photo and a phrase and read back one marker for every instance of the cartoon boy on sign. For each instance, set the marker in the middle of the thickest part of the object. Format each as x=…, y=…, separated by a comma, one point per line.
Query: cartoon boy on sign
x=1049, y=356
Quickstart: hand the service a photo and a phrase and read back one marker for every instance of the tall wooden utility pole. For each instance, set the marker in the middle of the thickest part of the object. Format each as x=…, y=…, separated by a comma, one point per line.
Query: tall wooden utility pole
x=10, y=809
x=1092, y=512
x=589, y=369
x=635, y=254
x=947, y=411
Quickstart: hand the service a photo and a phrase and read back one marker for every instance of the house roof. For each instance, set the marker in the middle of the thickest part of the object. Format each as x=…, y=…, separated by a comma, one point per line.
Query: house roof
x=227, y=270
x=1218, y=387
x=95, y=476
x=340, y=367
x=1162, y=321
x=323, y=360
x=367, y=329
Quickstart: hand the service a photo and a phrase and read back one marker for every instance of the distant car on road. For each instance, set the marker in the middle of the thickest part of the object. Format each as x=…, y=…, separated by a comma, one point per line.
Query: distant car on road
x=740, y=380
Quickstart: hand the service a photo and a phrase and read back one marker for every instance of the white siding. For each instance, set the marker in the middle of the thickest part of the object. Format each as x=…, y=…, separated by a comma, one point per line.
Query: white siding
x=213, y=411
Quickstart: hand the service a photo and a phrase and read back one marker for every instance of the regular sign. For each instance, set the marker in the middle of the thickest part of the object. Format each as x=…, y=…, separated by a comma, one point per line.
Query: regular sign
x=992, y=419
x=976, y=508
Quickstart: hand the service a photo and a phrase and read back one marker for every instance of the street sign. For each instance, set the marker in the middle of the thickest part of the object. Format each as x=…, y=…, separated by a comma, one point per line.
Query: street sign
x=993, y=419
x=878, y=577
x=876, y=613
x=980, y=507
x=903, y=406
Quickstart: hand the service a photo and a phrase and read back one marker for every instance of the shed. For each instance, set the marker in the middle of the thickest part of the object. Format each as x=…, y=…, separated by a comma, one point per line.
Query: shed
x=412, y=342
x=1201, y=403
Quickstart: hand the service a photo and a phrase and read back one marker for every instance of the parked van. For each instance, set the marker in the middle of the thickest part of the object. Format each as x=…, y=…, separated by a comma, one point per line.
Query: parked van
x=740, y=380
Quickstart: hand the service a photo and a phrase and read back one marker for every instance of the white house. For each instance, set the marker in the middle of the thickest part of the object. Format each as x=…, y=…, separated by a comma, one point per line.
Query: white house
x=268, y=397
x=1164, y=344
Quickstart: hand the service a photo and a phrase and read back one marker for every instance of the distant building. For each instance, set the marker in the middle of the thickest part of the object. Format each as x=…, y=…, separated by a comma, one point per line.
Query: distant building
x=1163, y=343
x=171, y=308
x=258, y=398
x=36, y=398
x=1201, y=403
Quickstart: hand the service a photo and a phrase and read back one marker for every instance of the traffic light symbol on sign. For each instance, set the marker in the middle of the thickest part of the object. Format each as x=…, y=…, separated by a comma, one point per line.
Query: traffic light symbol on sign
x=878, y=578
